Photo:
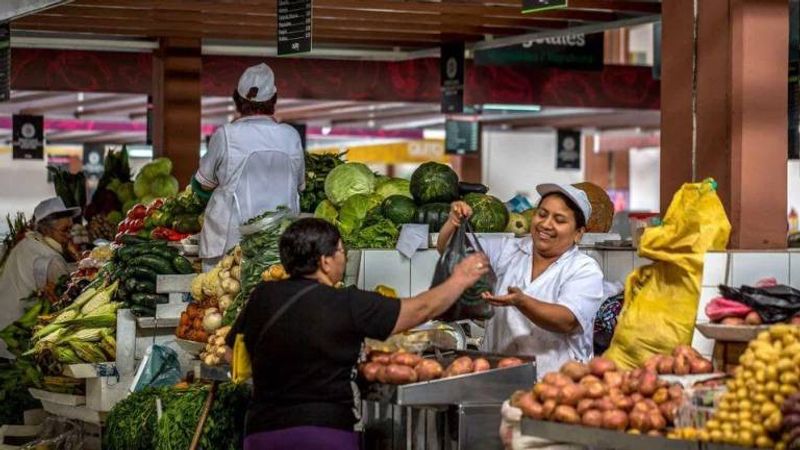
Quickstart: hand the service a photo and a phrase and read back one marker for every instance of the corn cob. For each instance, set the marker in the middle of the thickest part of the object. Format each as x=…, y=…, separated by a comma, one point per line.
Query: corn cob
x=66, y=355
x=108, y=308
x=109, y=346
x=81, y=300
x=102, y=297
x=88, y=351
x=54, y=336
x=57, y=323
x=85, y=335
x=101, y=321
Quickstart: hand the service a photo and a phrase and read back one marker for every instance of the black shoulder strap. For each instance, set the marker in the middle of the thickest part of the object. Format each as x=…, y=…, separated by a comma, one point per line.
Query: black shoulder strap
x=282, y=310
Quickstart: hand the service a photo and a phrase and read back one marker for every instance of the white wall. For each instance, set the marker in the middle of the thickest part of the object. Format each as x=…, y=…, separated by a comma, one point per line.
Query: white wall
x=793, y=194
x=23, y=184
x=640, y=40
x=515, y=162
x=645, y=179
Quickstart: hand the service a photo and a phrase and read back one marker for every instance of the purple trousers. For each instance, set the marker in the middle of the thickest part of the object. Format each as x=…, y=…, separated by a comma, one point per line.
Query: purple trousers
x=306, y=438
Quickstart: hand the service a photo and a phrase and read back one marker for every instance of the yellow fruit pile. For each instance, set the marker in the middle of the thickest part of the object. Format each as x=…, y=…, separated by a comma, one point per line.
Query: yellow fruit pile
x=749, y=414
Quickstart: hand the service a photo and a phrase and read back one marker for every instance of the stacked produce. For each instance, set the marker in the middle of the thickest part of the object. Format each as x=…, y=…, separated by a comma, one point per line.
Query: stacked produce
x=135, y=424
x=213, y=292
x=318, y=166
x=103, y=227
x=84, y=332
x=684, y=361
x=214, y=353
x=735, y=312
x=114, y=191
x=597, y=395
x=71, y=188
x=135, y=267
x=17, y=335
x=170, y=219
x=155, y=180
x=791, y=420
x=750, y=413
x=403, y=367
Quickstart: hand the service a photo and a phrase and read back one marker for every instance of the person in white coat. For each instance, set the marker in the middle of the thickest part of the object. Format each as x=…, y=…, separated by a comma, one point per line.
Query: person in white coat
x=35, y=261
x=253, y=165
x=548, y=292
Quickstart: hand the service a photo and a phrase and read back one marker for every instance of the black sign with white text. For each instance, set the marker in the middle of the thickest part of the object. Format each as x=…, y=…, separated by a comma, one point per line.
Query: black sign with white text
x=462, y=137
x=530, y=6
x=568, y=152
x=28, y=137
x=294, y=26
x=452, y=77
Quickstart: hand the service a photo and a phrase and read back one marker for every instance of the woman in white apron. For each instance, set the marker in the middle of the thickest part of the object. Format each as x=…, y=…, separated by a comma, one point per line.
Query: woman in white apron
x=252, y=165
x=548, y=292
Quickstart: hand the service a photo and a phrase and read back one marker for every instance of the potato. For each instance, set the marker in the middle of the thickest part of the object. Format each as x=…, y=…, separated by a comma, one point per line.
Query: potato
x=657, y=421
x=732, y=321
x=588, y=379
x=650, y=403
x=623, y=403
x=592, y=418
x=575, y=370
x=584, y=405
x=641, y=406
x=700, y=365
x=557, y=379
x=636, y=397
x=399, y=374
x=648, y=384
x=613, y=379
x=604, y=404
x=661, y=395
x=548, y=408
x=481, y=365
x=529, y=406
x=547, y=392
x=665, y=365
x=370, y=371
x=509, y=362
x=681, y=365
x=599, y=366
x=405, y=359
x=380, y=357
x=669, y=410
x=639, y=421
x=460, y=366
x=566, y=414
x=752, y=318
x=428, y=369
x=652, y=363
x=687, y=351
x=380, y=374
x=675, y=392
x=595, y=390
x=571, y=394
x=615, y=420
x=795, y=320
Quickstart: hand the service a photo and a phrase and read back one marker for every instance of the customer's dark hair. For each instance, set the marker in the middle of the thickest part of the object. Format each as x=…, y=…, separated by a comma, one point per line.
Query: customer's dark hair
x=250, y=108
x=304, y=242
x=580, y=220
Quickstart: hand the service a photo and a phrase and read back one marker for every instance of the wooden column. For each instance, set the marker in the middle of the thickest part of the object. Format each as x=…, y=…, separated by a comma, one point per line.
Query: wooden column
x=741, y=111
x=468, y=168
x=177, y=104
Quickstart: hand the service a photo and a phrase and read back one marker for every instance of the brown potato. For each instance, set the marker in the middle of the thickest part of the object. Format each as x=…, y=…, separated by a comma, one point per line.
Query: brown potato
x=681, y=366
x=650, y=403
x=661, y=395
x=687, y=350
x=566, y=414
x=588, y=379
x=370, y=371
x=615, y=420
x=429, y=369
x=547, y=392
x=399, y=374
x=613, y=379
x=752, y=318
x=592, y=418
x=604, y=404
x=599, y=366
x=548, y=408
x=481, y=365
x=636, y=397
x=657, y=421
x=557, y=379
x=732, y=321
x=675, y=392
x=380, y=357
x=575, y=370
x=571, y=394
x=639, y=421
x=509, y=362
x=648, y=384
x=380, y=374
x=461, y=366
x=668, y=410
x=405, y=359
x=584, y=405
x=652, y=363
x=700, y=365
x=595, y=390
x=623, y=403
x=529, y=406
x=666, y=365
x=641, y=406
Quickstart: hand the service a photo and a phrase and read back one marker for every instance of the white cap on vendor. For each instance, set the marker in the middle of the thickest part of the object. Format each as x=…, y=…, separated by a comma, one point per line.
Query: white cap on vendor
x=257, y=83
x=571, y=192
x=51, y=207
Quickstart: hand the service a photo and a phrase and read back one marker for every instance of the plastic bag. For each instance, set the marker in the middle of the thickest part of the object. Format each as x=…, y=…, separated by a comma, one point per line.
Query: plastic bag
x=661, y=299
x=605, y=322
x=159, y=367
x=58, y=433
x=774, y=304
x=470, y=306
x=720, y=308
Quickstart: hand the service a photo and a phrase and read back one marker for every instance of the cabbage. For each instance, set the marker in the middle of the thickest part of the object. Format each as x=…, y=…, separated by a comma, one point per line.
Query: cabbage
x=325, y=210
x=347, y=180
x=354, y=210
x=160, y=166
x=393, y=186
x=164, y=186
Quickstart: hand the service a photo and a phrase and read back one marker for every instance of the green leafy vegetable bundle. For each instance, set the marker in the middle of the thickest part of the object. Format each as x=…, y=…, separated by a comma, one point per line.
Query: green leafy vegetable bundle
x=318, y=166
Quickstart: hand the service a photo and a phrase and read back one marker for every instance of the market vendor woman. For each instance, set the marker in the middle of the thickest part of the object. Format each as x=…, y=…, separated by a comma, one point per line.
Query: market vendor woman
x=304, y=337
x=548, y=292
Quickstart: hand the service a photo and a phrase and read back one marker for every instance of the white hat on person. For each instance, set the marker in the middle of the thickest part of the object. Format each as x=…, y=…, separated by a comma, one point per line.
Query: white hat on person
x=257, y=83
x=53, y=206
x=571, y=192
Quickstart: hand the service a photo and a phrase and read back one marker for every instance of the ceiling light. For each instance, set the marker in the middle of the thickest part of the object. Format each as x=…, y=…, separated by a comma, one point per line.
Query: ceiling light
x=510, y=107
x=326, y=130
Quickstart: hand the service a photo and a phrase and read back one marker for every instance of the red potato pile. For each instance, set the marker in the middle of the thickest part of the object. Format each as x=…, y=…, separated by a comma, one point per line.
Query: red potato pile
x=684, y=361
x=404, y=367
x=597, y=395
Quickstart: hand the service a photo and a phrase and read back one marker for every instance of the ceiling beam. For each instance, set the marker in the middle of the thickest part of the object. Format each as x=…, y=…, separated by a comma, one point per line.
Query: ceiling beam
x=74, y=104
x=120, y=109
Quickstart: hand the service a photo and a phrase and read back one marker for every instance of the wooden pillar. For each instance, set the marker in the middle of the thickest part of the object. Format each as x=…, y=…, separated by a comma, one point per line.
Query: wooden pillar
x=468, y=168
x=741, y=110
x=177, y=104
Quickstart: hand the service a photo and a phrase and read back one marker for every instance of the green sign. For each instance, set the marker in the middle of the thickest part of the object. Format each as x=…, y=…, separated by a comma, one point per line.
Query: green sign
x=572, y=51
x=530, y=6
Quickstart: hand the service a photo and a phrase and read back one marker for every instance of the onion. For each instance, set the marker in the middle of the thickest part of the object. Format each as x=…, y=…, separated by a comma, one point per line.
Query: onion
x=212, y=322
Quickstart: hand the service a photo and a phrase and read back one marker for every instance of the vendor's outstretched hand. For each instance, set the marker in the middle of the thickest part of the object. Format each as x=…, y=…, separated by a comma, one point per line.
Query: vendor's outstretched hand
x=513, y=297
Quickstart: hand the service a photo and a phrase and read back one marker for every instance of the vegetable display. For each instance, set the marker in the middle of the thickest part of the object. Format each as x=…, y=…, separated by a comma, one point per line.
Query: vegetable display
x=489, y=214
x=393, y=186
x=154, y=180
x=71, y=188
x=403, y=367
x=433, y=182
x=15, y=379
x=214, y=352
x=347, y=180
x=684, y=361
x=318, y=166
x=518, y=224
x=399, y=209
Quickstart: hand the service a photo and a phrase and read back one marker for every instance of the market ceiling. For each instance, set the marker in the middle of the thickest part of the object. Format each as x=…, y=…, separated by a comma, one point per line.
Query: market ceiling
x=375, y=24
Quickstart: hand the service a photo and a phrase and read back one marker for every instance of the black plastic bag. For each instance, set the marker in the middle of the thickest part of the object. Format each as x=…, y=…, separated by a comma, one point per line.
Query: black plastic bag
x=470, y=305
x=774, y=304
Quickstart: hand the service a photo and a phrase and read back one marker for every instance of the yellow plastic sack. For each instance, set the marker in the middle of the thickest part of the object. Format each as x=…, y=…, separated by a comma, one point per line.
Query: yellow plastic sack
x=241, y=369
x=661, y=298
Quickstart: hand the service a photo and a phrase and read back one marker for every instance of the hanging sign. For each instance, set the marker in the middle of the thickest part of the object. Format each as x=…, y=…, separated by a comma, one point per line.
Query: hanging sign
x=294, y=26
x=568, y=152
x=462, y=137
x=571, y=51
x=28, y=137
x=452, y=77
x=532, y=6
x=5, y=62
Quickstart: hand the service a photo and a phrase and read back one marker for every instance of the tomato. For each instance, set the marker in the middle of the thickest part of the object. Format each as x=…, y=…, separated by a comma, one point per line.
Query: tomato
x=139, y=211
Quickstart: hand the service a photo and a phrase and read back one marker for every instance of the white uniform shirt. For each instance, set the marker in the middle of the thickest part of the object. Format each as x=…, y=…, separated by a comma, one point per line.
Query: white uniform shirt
x=574, y=281
x=256, y=165
x=29, y=266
